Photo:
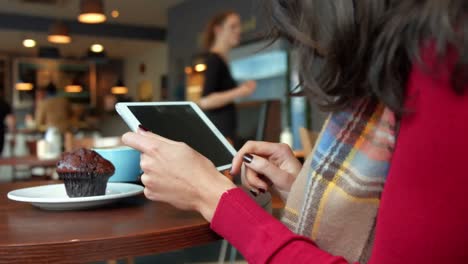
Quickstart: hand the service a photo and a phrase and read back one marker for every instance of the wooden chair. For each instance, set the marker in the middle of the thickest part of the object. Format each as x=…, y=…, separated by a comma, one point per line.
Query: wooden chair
x=308, y=139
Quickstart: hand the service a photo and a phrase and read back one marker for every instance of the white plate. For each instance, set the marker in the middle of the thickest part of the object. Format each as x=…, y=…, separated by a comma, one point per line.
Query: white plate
x=54, y=197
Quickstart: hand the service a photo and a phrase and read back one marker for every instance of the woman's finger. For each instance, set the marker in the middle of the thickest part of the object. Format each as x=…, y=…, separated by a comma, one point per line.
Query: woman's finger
x=145, y=142
x=138, y=142
x=265, y=179
x=154, y=136
x=243, y=179
x=254, y=181
x=148, y=194
x=146, y=180
x=146, y=163
x=246, y=183
x=253, y=147
x=264, y=167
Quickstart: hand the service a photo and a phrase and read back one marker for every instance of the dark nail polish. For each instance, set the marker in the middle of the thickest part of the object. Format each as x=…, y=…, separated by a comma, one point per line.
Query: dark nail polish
x=262, y=190
x=266, y=180
x=248, y=158
x=143, y=128
x=253, y=193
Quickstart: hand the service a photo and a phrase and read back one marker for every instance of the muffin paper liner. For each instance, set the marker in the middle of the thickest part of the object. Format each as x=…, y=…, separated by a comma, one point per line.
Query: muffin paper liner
x=84, y=184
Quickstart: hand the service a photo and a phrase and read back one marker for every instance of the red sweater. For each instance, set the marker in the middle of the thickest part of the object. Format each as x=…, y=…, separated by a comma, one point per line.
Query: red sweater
x=423, y=215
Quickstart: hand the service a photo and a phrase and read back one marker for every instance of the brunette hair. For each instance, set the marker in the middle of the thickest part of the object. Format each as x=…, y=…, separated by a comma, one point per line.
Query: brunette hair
x=353, y=49
x=209, y=32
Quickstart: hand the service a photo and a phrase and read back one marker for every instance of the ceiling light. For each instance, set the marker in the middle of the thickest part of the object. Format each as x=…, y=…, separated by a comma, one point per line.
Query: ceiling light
x=58, y=33
x=29, y=43
x=97, y=48
x=73, y=88
x=115, y=13
x=200, y=67
x=23, y=86
x=198, y=62
x=119, y=88
x=92, y=12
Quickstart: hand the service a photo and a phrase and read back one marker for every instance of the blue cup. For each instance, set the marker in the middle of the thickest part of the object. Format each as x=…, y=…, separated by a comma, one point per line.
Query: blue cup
x=126, y=161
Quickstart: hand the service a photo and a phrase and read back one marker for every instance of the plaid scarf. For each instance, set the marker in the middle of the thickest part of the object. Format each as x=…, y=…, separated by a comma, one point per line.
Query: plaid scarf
x=336, y=196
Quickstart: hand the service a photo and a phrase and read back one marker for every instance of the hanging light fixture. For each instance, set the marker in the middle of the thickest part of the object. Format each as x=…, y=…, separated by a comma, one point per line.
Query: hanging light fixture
x=96, y=48
x=92, y=12
x=23, y=86
x=199, y=63
x=115, y=13
x=29, y=43
x=200, y=67
x=119, y=88
x=58, y=33
x=74, y=87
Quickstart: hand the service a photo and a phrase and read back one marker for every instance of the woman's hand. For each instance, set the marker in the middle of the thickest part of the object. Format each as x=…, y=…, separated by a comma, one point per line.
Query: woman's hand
x=267, y=163
x=219, y=99
x=247, y=88
x=176, y=174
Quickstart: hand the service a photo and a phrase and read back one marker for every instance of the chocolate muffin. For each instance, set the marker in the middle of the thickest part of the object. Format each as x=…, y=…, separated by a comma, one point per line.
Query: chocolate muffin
x=84, y=172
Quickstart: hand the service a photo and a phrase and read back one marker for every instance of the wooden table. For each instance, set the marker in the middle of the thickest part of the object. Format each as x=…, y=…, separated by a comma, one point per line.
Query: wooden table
x=133, y=227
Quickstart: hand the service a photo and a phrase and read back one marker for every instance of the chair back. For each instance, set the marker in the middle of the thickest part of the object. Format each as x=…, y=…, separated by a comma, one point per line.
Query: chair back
x=308, y=139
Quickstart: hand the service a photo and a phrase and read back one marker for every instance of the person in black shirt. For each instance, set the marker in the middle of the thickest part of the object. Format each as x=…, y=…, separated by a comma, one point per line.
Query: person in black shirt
x=5, y=113
x=220, y=89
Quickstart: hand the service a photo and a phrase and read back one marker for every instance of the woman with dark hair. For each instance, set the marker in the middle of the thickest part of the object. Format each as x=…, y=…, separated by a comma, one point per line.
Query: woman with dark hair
x=219, y=89
x=394, y=74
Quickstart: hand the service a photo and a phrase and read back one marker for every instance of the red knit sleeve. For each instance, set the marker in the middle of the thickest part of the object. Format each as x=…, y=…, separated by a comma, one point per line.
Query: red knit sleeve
x=260, y=237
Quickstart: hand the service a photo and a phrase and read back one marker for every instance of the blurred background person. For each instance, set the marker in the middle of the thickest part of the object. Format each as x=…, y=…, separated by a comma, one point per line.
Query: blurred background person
x=110, y=123
x=7, y=119
x=52, y=110
x=220, y=90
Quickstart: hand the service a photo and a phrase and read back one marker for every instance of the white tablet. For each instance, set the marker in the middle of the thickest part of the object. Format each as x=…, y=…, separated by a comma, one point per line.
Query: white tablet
x=180, y=121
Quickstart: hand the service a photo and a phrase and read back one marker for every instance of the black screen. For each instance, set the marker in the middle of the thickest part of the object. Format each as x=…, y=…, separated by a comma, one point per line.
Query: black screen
x=182, y=123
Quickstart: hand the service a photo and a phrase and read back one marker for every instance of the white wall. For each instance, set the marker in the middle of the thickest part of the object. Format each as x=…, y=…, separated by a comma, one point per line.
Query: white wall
x=155, y=60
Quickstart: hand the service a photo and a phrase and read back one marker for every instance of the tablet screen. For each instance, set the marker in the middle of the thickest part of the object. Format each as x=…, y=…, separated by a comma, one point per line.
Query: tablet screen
x=182, y=123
